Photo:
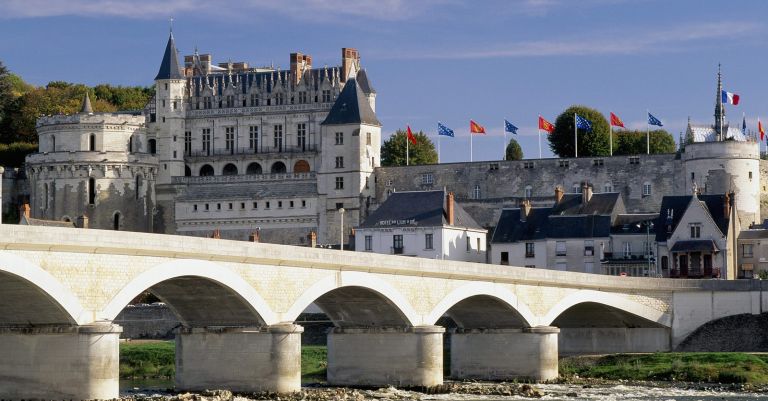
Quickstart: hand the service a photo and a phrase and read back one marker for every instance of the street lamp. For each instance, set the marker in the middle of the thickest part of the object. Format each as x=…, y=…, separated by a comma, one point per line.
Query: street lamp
x=341, y=228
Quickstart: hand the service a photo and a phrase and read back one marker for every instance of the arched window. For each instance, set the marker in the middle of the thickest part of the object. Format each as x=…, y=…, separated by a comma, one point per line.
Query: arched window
x=187, y=171
x=278, y=168
x=229, y=169
x=138, y=185
x=91, y=191
x=116, y=221
x=152, y=144
x=53, y=143
x=253, y=168
x=301, y=166
x=92, y=143
x=206, y=170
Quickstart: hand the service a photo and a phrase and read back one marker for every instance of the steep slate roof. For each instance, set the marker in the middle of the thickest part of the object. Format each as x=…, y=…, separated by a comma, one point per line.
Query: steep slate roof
x=714, y=204
x=418, y=209
x=365, y=84
x=599, y=204
x=511, y=229
x=634, y=223
x=86, y=108
x=169, y=67
x=351, y=107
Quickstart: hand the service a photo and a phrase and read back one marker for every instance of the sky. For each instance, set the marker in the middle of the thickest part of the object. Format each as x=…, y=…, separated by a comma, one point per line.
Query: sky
x=431, y=60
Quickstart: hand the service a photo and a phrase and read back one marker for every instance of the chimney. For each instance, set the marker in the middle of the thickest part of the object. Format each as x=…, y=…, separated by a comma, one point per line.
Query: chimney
x=82, y=221
x=449, y=208
x=312, y=239
x=299, y=64
x=24, y=210
x=349, y=58
x=586, y=193
x=254, y=237
x=525, y=209
x=558, y=194
x=216, y=234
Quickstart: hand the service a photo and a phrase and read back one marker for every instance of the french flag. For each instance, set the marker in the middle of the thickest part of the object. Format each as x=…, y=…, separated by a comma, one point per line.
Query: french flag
x=731, y=98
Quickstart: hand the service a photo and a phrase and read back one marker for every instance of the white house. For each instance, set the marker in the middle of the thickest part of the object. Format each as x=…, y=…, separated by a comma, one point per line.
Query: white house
x=427, y=224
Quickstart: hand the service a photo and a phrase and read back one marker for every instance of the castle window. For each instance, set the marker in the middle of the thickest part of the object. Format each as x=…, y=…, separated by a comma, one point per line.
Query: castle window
x=242, y=205
x=230, y=101
x=253, y=168
x=116, y=222
x=528, y=165
x=278, y=144
x=163, y=119
x=493, y=166
x=187, y=143
x=254, y=100
x=368, y=242
x=290, y=204
x=647, y=189
x=693, y=176
x=130, y=144
x=44, y=198
x=269, y=102
x=92, y=142
x=326, y=95
x=279, y=99
x=138, y=186
x=339, y=182
x=207, y=141
x=194, y=208
x=218, y=206
x=253, y=138
x=528, y=191
x=279, y=204
x=427, y=179
x=597, y=162
x=750, y=175
x=163, y=103
x=608, y=187
x=207, y=103
x=229, y=139
x=53, y=143
x=302, y=97
x=174, y=106
x=634, y=160
x=303, y=203
x=230, y=206
x=367, y=138
x=229, y=169
x=174, y=154
x=152, y=146
x=278, y=168
x=563, y=163
x=301, y=136
x=166, y=86
x=476, y=192
x=255, y=205
x=339, y=138
x=91, y=191
x=339, y=162
x=207, y=207
x=267, y=205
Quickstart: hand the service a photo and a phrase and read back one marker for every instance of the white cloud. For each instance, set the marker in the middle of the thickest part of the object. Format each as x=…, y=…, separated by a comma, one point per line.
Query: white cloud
x=609, y=44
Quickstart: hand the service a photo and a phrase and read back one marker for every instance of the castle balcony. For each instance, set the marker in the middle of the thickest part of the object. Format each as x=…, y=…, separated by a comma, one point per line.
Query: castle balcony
x=219, y=179
x=80, y=157
x=235, y=153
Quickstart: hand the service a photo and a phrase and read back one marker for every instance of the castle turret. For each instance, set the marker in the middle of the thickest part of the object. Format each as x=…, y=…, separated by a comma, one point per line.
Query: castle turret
x=170, y=106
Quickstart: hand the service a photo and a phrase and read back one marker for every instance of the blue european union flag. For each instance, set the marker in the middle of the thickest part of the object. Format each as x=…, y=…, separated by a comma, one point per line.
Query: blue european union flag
x=443, y=130
x=654, y=121
x=583, y=123
x=508, y=127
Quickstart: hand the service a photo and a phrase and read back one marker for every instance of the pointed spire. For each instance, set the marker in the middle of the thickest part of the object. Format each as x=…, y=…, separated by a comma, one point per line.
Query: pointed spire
x=169, y=68
x=719, y=109
x=86, y=108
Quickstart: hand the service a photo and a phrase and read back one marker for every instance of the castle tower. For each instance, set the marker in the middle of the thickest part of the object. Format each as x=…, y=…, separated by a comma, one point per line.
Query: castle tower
x=170, y=86
x=351, y=135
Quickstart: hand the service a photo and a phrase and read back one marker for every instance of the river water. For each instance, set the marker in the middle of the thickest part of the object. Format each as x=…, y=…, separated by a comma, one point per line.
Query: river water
x=552, y=392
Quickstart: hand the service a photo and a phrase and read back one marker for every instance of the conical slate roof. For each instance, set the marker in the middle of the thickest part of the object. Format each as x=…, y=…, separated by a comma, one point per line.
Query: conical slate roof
x=169, y=68
x=86, y=107
x=351, y=107
x=365, y=84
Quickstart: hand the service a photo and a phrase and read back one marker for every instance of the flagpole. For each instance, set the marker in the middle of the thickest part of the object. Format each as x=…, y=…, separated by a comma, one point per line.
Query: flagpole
x=470, y=145
x=575, y=137
x=539, y=130
x=438, y=146
x=648, y=134
x=407, y=149
x=610, y=137
x=504, y=148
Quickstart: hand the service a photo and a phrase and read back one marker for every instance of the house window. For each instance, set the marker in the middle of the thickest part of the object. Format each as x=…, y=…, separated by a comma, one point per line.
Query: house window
x=187, y=143
x=229, y=139
x=368, y=242
x=560, y=248
x=505, y=258
x=427, y=179
x=589, y=247
x=563, y=163
x=253, y=138
x=479, y=248
x=428, y=241
x=476, y=192
x=647, y=189
x=469, y=243
x=367, y=138
x=589, y=267
x=339, y=138
x=562, y=266
x=278, y=143
x=339, y=182
x=339, y=162
x=664, y=263
x=301, y=136
x=530, y=250
x=746, y=250
x=207, y=141
x=397, y=244
x=528, y=165
x=696, y=230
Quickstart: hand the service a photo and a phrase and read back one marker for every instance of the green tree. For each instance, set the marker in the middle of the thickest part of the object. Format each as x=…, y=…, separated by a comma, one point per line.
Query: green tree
x=124, y=97
x=514, y=151
x=634, y=142
x=393, y=150
x=591, y=143
x=6, y=89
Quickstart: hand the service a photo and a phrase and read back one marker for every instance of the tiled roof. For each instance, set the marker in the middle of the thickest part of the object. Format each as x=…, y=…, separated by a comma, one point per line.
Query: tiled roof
x=418, y=209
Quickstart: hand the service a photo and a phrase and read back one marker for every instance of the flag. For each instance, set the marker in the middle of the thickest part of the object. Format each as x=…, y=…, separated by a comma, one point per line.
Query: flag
x=616, y=121
x=508, y=127
x=760, y=128
x=583, y=123
x=546, y=125
x=731, y=98
x=443, y=130
x=654, y=121
x=410, y=135
x=476, y=128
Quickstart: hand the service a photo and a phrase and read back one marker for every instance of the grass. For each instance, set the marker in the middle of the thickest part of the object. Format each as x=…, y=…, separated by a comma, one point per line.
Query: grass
x=711, y=367
x=314, y=361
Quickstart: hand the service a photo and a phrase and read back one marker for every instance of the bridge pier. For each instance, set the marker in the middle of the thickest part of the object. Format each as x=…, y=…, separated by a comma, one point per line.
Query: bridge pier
x=244, y=359
x=503, y=354
x=60, y=362
x=386, y=356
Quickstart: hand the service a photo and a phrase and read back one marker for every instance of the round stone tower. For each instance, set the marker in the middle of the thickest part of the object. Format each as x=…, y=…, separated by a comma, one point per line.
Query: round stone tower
x=726, y=166
x=93, y=164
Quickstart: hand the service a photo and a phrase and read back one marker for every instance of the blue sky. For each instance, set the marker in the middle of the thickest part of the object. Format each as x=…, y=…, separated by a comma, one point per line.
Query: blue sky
x=430, y=60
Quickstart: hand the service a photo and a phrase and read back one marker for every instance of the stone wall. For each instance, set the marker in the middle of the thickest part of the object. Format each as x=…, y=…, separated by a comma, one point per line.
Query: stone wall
x=737, y=333
x=156, y=321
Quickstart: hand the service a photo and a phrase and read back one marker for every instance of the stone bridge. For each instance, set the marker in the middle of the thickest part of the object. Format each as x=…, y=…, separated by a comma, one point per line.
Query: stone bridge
x=238, y=302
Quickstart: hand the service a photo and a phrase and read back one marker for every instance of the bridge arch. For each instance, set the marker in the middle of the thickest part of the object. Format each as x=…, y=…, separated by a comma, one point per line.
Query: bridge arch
x=200, y=293
x=492, y=296
x=586, y=297
x=363, y=284
x=45, y=299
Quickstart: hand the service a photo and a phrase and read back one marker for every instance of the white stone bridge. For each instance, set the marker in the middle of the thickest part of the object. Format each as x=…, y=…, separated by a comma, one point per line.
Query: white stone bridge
x=238, y=302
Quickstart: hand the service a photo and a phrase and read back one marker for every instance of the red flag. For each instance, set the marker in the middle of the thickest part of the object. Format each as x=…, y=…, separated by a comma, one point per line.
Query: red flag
x=616, y=121
x=545, y=125
x=476, y=128
x=760, y=128
x=410, y=135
